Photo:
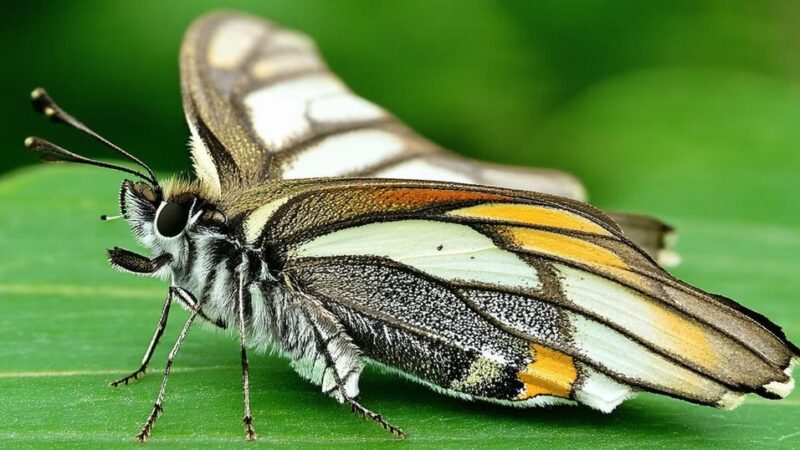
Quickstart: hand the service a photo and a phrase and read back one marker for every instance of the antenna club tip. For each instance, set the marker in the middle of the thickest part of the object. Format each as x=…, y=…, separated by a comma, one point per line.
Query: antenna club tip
x=49, y=111
x=29, y=141
x=38, y=93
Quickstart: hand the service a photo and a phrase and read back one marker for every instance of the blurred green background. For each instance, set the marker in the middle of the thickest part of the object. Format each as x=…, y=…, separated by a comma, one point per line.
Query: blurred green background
x=689, y=110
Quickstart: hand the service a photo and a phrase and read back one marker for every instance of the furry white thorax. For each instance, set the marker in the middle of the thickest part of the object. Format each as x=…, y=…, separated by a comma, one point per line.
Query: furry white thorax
x=281, y=321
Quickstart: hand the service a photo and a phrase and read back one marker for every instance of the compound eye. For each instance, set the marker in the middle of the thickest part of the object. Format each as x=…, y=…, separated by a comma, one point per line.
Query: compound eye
x=145, y=192
x=171, y=219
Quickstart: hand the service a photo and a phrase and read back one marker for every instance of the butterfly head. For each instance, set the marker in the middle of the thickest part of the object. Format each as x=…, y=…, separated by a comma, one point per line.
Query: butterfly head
x=162, y=219
x=153, y=218
x=160, y=216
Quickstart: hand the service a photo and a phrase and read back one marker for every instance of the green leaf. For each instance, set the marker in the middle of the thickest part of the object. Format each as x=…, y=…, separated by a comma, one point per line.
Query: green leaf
x=70, y=324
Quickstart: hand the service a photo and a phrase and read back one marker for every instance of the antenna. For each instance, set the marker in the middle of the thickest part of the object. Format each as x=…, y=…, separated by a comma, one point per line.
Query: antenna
x=45, y=105
x=50, y=152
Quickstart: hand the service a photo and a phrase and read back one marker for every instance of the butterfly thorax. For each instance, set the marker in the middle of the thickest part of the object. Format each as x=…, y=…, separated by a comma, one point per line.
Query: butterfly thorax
x=214, y=259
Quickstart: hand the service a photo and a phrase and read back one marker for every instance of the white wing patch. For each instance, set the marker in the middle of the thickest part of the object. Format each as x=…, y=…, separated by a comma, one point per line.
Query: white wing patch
x=344, y=107
x=254, y=224
x=204, y=165
x=619, y=354
x=284, y=39
x=278, y=112
x=537, y=180
x=275, y=66
x=287, y=110
x=783, y=389
x=449, y=251
x=344, y=153
x=423, y=169
x=231, y=43
x=600, y=392
x=622, y=306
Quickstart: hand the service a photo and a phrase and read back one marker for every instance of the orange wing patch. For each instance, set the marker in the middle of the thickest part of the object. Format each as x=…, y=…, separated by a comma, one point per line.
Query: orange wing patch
x=531, y=215
x=550, y=373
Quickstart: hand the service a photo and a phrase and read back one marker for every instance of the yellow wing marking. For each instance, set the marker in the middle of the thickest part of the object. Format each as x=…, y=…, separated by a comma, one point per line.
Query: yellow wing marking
x=565, y=247
x=531, y=215
x=686, y=338
x=682, y=336
x=550, y=373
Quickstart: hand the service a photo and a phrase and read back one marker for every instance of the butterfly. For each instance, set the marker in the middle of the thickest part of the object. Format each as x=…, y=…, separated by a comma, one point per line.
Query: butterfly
x=321, y=226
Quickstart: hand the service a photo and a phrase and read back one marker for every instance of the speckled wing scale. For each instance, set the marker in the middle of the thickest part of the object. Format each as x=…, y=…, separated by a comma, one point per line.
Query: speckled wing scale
x=269, y=107
x=484, y=293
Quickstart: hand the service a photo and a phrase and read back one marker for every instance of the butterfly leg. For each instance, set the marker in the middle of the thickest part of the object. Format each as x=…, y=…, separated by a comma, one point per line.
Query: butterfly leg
x=342, y=361
x=128, y=261
x=191, y=303
x=367, y=414
x=249, y=433
x=157, y=407
x=184, y=298
x=162, y=324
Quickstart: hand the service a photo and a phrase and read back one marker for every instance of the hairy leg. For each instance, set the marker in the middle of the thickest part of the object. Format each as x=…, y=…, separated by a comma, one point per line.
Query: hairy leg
x=249, y=433
x=157, y=407
x=174, y=293
x=327, y=331
x=162, y=324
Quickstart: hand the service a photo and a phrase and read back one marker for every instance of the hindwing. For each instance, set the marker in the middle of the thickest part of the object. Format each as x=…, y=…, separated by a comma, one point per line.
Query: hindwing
x=533, y=295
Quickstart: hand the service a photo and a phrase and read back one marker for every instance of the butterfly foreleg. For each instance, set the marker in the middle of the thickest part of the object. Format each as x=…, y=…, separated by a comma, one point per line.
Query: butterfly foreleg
x=342, y=361
x=128, y=261
x=158, y=405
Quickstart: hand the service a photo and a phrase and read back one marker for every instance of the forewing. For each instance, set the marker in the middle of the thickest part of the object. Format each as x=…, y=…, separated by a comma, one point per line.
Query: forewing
x=402, y=251
x=213, y=64
x=262, y=103
x=265, y=94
